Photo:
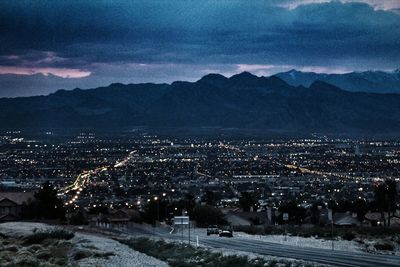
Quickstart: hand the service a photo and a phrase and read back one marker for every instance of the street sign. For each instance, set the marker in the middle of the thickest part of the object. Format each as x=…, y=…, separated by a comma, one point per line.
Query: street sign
x=181, y=220
x=286, y=216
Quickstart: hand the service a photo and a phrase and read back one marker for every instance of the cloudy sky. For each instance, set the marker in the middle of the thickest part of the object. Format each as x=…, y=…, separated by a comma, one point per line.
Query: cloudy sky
x=49, y=45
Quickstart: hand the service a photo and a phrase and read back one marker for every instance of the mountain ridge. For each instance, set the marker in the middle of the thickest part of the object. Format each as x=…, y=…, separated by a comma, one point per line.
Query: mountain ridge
x=243, y=101
x=366, y=81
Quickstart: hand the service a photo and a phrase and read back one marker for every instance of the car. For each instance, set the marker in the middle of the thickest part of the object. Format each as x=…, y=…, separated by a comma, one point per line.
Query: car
x=212, y=230
x=226, y=231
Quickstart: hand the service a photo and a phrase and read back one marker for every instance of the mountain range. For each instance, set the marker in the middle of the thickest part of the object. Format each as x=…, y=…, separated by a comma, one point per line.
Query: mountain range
x=243, y=101
x=367, y=81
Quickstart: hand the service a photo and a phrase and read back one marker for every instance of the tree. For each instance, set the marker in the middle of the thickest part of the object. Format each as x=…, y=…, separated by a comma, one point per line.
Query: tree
x=99, y=209
x=380, y=199
x=296, y=214
x=391, y=197
x=50, y=206
x=208, y=215
x=210, y=198
x=78, y=218
x=155, y=210
x=316, y=212
x=360, y=206
x=246, y=201
x=46, y=205
x=188, y=203
x=385, y=198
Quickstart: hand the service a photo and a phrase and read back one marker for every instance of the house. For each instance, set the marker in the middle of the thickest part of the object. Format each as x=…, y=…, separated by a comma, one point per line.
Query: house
x=375, y=219
x=11, y=204
x=117, y=218
x=345, y=219
x=238, y=218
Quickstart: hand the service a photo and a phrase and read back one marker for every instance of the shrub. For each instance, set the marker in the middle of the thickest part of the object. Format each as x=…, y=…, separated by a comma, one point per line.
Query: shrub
x=82, y=254
x=38, y=238
x=384, y=246
x=104, y=255
x=11, y=248
x=35, y=248
x=348, y=236
x=43, y=255
x=178, y=255
x=61, y=261
x=26, y=262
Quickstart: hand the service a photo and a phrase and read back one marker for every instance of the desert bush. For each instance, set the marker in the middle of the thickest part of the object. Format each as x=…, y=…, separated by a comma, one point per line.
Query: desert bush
x=178, y=255
x=39, y=237
x=396, y=239
x=82, y=254
x=35, y=247
x=26, y=262
x=43, y=255
x=11, y=248
x=60, y=261
x=104, y=255
x=348, y=236
x=253, y=230
x=384, y=246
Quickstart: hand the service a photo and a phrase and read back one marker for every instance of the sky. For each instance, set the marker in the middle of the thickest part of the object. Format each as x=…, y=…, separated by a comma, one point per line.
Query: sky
x=51, y=45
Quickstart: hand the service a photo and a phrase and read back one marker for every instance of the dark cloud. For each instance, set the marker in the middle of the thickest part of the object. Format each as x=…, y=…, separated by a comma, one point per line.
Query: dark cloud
x=102, y=36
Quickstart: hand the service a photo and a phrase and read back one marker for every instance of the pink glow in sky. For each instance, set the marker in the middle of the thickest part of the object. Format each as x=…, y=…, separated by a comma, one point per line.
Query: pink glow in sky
x=377, y=4
x=267, y=70
x=60, y=72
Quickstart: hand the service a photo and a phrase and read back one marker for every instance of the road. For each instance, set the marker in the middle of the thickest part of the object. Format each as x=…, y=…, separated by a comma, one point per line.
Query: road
x=325, y=256
x=84, y=179
x=319, y=255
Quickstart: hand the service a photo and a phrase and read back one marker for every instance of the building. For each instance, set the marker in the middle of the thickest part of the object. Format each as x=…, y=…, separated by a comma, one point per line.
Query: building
x=11, y=204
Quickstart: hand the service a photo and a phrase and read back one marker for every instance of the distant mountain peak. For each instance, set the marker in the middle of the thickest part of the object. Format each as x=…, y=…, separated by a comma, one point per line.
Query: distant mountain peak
x=212, y=78
x=243, y=101
x=243, y=75
x=372, y=81
x=293, y=71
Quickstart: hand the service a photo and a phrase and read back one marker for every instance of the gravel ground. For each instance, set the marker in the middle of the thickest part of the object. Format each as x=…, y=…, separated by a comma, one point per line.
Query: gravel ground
x=94, y=250
x=364, y=244
x=20, y=229
x=306, y=241
x=124, y=256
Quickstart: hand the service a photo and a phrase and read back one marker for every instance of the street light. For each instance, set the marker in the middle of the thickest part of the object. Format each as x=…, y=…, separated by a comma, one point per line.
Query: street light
x=158, y=208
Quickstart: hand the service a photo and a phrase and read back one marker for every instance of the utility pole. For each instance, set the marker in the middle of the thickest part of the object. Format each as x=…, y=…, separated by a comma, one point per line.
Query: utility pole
x=158, y=208
x=330, y=217
x=189, y=232
x=181, y=230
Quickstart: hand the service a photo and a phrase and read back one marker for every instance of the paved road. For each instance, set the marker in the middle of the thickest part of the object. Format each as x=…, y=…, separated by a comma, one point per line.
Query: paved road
x=324, y=256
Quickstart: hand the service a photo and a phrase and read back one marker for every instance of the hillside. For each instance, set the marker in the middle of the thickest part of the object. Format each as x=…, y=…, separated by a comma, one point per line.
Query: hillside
x=242, y=101
x=367, y=81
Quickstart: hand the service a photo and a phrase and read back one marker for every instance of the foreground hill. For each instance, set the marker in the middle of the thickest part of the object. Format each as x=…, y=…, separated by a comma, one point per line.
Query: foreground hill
x=42, y=245
x=242, y=101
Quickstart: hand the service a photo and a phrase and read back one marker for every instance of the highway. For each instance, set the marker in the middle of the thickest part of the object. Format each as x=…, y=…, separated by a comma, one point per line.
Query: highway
x=84, y=179
x=318, y=255
x=324, y=256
